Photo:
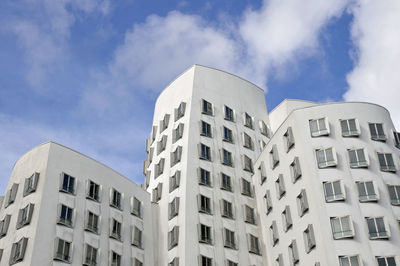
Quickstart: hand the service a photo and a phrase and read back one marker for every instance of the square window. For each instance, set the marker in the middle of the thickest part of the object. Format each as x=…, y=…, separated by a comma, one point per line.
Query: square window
x=357, y=158
x=386, y=162
x=349, y=127
x=366, y=191
x=334, y=191
x=394, y=193
x=342, y=227
x=377, y=228
x=377, y=132
x=326, y=158
x=319, y=127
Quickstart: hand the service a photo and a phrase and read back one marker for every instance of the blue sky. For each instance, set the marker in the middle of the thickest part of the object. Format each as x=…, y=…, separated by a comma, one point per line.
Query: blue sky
x=86, y=73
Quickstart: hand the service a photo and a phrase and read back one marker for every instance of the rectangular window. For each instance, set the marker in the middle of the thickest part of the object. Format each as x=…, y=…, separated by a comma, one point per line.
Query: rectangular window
x=263, y=173
x=115, y=229
x=280, y=187
x=228, y=135
x=334, y=191
x=205, y=234
x=18, y=250
x=319, y=127
x=377, y=132
x=92, y=222
x=248, y=120
x=174, y=181
x=309, y=238
x=293, y=253
x=63, y=250
x=377, y=228
x=162, y=144
x=396, y=139
x=246, y=188
x=262, y=144
x=254, y=245
x=164, y=123
x=180, y=111
x=279, y=260
x=287, y=218
x=206, y=108
x=342, y=227
x=157, y=192
x=226, y=209
x=326, y=157
x=227, y=158
x=289, y=139
x=115, y=259
x=173, y=208
x=11, y=194
x=386, y=162
x=205, y=152
x=349, y=260
x=174, y=262
x=226, y=182
x=176, y=155
x=386, y=261
x=229, y=238
x=153, y=134
x=229, y=114
x=25, y=215
x=205, y=261
x=247, y=163
x=204, y=177
x=394, y=193
x=67, y=184
x=295, y=169
x=178, y=133
x=204, y=204
x=91, y=256
x=357, y=158
x=205, y=129
x=116, y=199
x=268, y=201
x=4, y=225
x=65, y=215
x=302, y=202
x=136, y=207
x=349, y=128
x=247, y=141
x=249, y=216
x=273, y=229
x=136, y=237
x=93, y=191
x=173, y=237
x=264, y=129
x=31, y=184
x=366, y=191
x=273, y=154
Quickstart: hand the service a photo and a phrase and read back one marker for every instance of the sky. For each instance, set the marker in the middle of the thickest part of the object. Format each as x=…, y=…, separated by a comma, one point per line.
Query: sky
x=86, y=73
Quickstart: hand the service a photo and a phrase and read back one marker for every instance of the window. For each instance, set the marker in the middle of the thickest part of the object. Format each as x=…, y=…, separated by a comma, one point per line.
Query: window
x=246, y=188
x=205, y=152
x=342, y=227
x=67, y=183
x=226, y=183
x=11, y=194
x=349, y=128
x=157, y=192
x=376, y=130
x=248, y=120
x=173, y=237
x=289, y=139
x=394, y=193
x=138, y=262
x=204, y=177
x=159, y=168
x=293, y=253
x=247, y=163
x=229, y=238
x=254, y=245
x=93, y=191
x=25, y=216
x=262, y=144
x=295, y=169
x=231, y=263
x=396, y=139
x=18, y=250
x=205, y=261
x=31, y=184
x=268, y=201
x=228, y=136
x=249, y=216
x=153, y=134
x=205, y=234
x=274, y=156
x=162, y=144
x=174, y=181
x=309, y=238
x=264, y=129
x=115, y=259
x=319, y=127
x=273, y=229
x=229, y=114
x=4, y=225
x=227, y=158
x=116, y=199
x=178, y=133
x=334, y=191
x=366, y=191
x=386, y=162
x=176, y=155
x=326, y=158
x=164, y=123
x=65, y=215
x=247, y=141
x=204, y=204
x=206, y=108
x=279, y=260
x=357, y=158
x=91, y=256
x=136, y=237
x=92, y=222
x=174, y=262
x=180, y=111
x=136, y=208
x=205, y=129
x=280, y=187
x=226, y=209
x=377, y=227
x=63, y=250
x=302, y=202
x=115, y=229
x=263, y=173
x=173, y=208
x=349, y=260
x=386, y=261
x=287, y=218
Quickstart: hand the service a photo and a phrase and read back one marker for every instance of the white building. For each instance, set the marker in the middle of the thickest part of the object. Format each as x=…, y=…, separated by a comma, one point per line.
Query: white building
x=227, y=184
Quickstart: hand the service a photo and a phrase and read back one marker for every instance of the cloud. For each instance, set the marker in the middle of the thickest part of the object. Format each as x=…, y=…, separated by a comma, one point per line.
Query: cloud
x=375, y=33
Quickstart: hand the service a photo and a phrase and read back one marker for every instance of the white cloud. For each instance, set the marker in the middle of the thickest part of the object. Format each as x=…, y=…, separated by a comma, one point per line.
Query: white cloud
x=376, y=35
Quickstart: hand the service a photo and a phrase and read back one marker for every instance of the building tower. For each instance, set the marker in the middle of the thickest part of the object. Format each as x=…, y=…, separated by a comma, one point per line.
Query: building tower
x=209, y=127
